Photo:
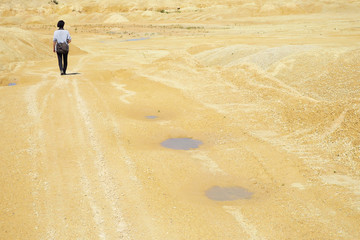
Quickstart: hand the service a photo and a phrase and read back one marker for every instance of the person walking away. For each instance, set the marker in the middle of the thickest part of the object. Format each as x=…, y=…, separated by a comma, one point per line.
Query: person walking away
x=61, y=42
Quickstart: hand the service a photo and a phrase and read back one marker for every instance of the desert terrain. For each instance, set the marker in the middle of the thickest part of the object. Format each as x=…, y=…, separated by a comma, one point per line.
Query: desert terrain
x=268, y=91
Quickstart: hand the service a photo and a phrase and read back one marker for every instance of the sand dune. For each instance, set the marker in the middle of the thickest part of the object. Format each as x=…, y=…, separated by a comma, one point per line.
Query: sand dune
x=269, y=90
x=19, y=45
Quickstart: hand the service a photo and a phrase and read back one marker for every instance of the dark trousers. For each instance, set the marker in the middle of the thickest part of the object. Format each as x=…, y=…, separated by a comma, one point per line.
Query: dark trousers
x=62, y=66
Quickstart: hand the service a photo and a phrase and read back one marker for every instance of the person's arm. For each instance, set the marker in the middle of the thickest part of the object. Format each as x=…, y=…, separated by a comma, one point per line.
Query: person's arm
x=54, y=43
x=68, y=37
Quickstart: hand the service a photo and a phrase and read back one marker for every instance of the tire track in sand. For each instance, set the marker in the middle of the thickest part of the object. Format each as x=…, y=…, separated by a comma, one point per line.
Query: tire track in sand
x=97, y=214
x=133, y=183
x=35, y=150
x=246, y=226
x=110, y=190
x=55, y=195
x=116, y=130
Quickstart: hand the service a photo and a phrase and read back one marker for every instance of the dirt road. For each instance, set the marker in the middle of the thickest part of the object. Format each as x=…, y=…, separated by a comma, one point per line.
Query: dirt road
x=277, y=114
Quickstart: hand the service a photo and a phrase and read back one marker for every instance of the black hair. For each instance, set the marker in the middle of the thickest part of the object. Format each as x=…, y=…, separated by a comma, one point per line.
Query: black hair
x=61, y=24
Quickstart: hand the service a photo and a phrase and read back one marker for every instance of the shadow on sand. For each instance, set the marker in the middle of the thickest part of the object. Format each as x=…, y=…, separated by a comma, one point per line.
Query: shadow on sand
x=73, y=73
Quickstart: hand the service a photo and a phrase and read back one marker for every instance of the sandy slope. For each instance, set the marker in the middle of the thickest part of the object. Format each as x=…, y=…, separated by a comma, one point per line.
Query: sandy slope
x=271, y=88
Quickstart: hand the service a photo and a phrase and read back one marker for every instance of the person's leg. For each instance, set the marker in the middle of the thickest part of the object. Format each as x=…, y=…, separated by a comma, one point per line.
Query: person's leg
x=65, y=62
x=60, y=62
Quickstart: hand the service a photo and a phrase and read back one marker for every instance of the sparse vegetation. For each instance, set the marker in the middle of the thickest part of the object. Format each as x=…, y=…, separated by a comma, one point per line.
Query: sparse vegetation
x=170, y=11
x=54, y=2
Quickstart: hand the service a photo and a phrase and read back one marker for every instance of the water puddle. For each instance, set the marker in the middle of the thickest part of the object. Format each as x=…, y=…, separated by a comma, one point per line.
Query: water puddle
x=11, y=84
x=151, y=117
x=228, y=193
x=136, y=39
x=181, y=143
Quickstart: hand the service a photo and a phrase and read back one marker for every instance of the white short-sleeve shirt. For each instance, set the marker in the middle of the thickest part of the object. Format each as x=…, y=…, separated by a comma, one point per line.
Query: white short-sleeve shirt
x=61, y=36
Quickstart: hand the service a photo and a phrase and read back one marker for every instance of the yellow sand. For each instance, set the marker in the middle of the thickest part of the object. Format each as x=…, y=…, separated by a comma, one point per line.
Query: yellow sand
x=271, y=88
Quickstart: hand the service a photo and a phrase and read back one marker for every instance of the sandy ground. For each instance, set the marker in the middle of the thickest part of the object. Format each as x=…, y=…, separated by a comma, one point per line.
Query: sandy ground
x=271, y=88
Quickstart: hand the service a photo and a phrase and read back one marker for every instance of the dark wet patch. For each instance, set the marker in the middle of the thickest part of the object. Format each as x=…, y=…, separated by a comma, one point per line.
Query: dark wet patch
x=181, y=143
x=151, y=117
x=228, y=193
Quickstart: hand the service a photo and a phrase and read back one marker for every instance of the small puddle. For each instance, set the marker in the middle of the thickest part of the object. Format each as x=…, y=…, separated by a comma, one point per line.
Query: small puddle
x=151, y=117
x=181, y=143
x=11, y=84
x=136, y=39
x=228, y=193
